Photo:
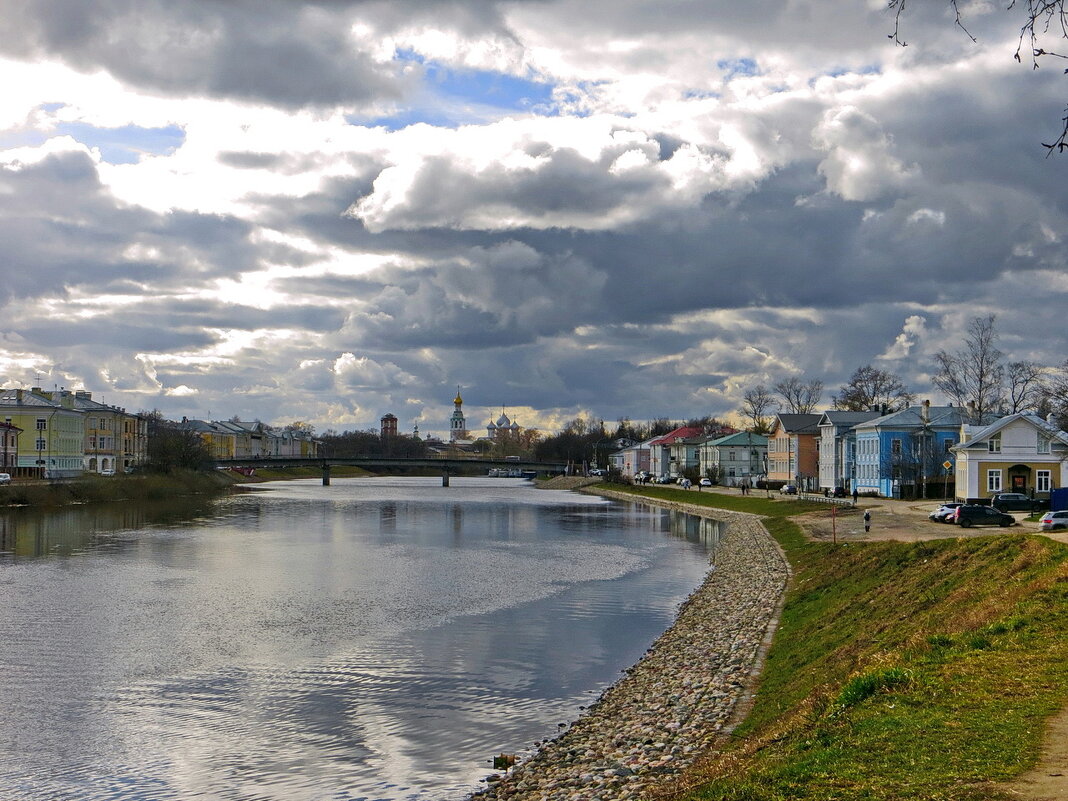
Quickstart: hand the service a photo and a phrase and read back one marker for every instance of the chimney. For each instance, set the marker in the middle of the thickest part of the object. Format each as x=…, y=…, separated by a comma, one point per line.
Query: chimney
x=925, y=412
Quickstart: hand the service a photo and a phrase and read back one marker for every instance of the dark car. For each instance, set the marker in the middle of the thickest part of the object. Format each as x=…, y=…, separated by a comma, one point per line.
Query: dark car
x=974, y=515
x=839, y=492
x=1012, y=502
x=788, y=489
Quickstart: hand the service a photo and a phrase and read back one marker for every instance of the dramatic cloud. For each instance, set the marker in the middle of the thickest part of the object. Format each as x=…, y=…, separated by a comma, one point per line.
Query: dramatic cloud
x=329, y=210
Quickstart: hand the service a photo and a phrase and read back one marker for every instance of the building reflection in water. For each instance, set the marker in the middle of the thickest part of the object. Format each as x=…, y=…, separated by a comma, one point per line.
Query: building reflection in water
x=692, y=528
x=67, y=530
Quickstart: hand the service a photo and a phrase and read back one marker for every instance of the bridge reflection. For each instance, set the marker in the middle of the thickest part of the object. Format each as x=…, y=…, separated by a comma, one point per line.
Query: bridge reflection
x=447, y=465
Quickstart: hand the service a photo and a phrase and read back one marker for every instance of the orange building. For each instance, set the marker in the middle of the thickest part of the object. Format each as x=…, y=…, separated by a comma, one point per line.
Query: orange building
x=793, y=450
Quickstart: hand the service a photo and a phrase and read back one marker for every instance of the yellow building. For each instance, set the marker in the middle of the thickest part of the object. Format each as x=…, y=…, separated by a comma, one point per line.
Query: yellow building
x=1018, y=453
x=52, y=440
x=115, y=440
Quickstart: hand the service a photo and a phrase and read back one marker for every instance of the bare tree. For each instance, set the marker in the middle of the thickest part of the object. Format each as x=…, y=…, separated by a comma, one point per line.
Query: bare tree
x=1025, y=386
x=1053, y=399
x=1042, y=20
x=756, y=403
x=871, y=388
x=975, y=375
x=799, y=397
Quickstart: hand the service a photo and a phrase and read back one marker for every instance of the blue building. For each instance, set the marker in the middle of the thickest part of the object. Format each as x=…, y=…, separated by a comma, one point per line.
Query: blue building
x=838, y=448
x=902, y=455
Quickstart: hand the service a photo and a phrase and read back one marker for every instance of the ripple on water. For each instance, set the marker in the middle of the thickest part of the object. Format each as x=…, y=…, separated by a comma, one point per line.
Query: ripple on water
x=376, y=642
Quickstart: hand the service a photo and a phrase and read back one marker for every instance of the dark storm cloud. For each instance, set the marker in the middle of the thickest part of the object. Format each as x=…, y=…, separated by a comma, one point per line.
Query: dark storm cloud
x=62, y=229
x=565, y=183
x=292, y=54
x=506, y=295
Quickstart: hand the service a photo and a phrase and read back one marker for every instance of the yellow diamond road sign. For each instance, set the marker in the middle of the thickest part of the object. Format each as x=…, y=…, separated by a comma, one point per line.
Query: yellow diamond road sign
x=947, y=464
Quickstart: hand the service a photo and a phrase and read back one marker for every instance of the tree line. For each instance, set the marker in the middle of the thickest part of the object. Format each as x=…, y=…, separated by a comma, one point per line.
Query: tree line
x=977, y=376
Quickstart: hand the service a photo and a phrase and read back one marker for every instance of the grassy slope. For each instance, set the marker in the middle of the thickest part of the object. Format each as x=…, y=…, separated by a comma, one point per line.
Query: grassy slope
x=902, y=671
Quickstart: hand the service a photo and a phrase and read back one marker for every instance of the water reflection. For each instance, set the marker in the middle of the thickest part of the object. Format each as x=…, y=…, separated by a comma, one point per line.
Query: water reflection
x=701, y=530
x=26, y=532
x=371, y=640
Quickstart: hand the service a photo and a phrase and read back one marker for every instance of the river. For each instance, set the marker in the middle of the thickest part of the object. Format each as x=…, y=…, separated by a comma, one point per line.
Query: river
x=376, y=640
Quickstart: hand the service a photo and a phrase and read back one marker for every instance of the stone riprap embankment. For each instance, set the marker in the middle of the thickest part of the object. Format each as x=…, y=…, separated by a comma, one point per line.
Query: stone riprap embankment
x=670, y=709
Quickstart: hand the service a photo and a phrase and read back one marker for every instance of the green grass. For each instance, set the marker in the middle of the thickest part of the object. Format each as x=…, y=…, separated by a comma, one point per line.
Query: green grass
x=904, y=671
x=757, y=504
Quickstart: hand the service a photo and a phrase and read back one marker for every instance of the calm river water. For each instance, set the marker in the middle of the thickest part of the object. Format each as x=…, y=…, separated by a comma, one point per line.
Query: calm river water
x=376, y=639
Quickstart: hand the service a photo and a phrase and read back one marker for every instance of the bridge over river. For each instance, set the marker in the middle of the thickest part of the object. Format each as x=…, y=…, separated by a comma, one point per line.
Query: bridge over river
x=447, y=465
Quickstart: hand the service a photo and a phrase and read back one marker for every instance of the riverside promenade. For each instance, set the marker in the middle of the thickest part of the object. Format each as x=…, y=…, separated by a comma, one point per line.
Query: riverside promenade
x=674, y=705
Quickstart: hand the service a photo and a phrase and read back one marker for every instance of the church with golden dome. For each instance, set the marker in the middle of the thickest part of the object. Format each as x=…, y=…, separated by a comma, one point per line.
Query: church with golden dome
x=457, y=423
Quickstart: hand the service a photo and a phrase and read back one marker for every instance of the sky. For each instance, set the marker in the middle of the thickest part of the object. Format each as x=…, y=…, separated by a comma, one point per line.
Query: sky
x=328, y=211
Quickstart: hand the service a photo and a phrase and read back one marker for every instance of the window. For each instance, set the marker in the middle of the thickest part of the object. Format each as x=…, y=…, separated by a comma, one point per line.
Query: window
x=41, y=424
x=41, y=445
x=947, y=446
x=732, y=456
x=994, y=446
x=895, y=447
x=1044, y=443
x=993, y=481
x=1042, y=480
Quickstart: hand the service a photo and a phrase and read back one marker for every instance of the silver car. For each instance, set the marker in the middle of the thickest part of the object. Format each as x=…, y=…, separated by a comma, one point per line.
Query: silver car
x=1053, y=520
x=943, y=513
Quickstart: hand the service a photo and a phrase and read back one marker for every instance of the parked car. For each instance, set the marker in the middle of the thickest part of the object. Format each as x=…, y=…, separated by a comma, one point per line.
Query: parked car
x=706, y=482
x=944, y=513
x=1053, y=520
x=839, y=492
x=970, y=514
x=5, y=478
x=788, y=489
x=1012, y=502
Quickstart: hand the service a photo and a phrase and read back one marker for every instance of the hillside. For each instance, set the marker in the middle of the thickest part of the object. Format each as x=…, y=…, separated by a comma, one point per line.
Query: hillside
x=904, y=671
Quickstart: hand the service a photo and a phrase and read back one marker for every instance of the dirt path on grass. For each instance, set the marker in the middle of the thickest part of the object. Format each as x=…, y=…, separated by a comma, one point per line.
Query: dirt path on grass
x=1048, y=781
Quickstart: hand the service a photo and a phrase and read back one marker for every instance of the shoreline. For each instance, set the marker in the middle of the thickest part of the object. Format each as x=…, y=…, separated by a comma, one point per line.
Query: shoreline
x=689, y=690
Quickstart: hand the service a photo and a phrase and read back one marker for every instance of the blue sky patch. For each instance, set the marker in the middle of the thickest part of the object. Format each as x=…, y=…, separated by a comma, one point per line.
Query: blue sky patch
x=870, y=69
x=738, y=67
x=125, y=145
x=453, y=97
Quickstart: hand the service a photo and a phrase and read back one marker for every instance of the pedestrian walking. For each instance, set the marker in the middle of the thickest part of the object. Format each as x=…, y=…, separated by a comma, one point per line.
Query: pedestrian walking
x=867, y=520
x=855, y=495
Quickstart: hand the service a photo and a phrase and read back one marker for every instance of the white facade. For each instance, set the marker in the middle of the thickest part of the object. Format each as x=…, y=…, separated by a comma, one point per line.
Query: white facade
x=1019, y=453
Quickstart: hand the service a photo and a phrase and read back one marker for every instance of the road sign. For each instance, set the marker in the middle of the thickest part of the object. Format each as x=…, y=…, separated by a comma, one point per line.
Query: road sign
x=947, y=464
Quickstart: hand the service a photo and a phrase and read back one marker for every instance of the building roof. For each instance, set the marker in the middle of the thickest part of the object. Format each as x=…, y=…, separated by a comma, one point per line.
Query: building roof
x=799, y=423
x=945, y=417
x=981, y=436
x=843, y=418
x=27, y=398
x=685, y=432
x=740, y=438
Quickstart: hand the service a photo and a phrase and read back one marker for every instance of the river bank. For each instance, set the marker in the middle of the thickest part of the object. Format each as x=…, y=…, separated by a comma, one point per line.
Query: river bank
x=109, y=489
x=646, y=731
